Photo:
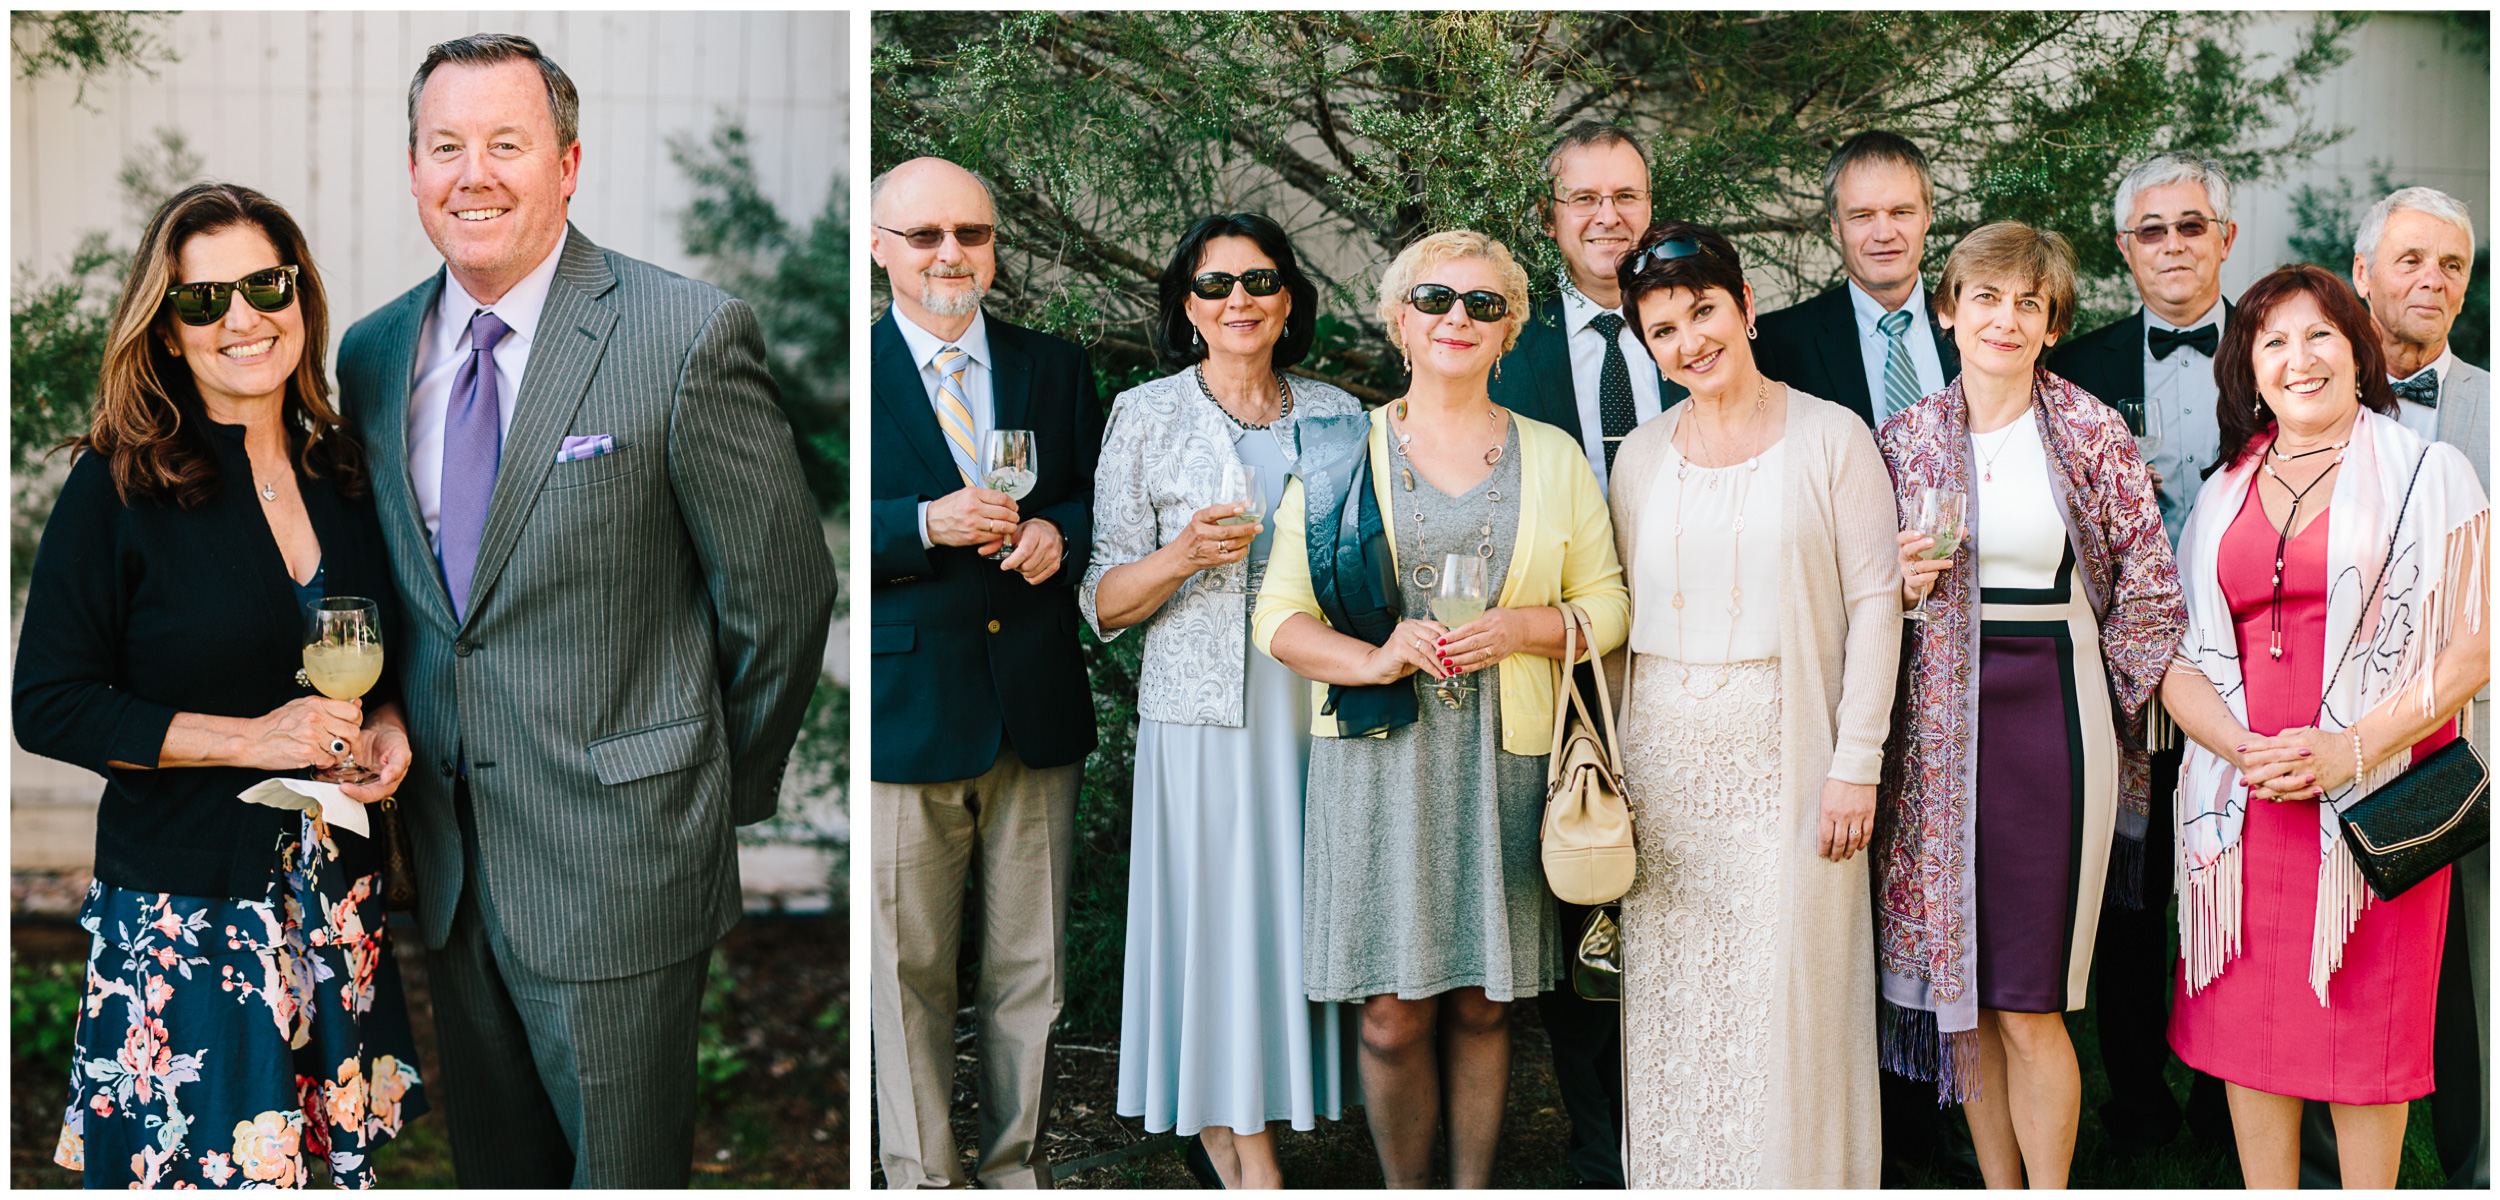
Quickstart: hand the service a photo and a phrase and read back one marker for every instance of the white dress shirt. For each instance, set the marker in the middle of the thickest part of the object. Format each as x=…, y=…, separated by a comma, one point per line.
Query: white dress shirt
x=975, y=343
x=2182, y=391
x=442, y=346
x=1588, y=367
x=1874, y=344
x=2422, y=418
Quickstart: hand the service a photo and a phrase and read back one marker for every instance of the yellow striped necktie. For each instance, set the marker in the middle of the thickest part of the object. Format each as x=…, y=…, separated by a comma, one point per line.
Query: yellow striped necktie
x=954, y=415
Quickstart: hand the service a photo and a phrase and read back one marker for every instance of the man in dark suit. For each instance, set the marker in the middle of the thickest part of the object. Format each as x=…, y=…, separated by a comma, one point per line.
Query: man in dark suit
x=1580, y=368
x=2174, y=229
x=1577, y=366
x=616, y=596
x=981, y=717
x=1870, y=344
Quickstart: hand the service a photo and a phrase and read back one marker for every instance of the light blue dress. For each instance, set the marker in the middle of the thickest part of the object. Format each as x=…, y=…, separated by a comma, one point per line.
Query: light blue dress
x=1214, y=1026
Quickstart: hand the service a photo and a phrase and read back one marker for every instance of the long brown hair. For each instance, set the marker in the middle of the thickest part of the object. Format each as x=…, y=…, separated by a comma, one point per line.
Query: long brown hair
x=149, y=422
x=2235, y=366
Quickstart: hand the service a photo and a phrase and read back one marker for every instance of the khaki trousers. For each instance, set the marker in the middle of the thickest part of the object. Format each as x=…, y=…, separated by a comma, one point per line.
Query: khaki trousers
x=1020, y=825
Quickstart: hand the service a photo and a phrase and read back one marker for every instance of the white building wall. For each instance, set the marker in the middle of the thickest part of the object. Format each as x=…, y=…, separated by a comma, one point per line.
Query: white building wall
x=311, y=107
x=2412, y=96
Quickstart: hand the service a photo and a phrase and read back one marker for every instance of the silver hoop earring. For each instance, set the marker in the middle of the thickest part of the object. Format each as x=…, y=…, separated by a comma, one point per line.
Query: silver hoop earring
x=1751, y=333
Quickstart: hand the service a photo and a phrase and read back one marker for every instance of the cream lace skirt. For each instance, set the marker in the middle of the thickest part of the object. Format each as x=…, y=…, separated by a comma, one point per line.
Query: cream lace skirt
x=1700, y=923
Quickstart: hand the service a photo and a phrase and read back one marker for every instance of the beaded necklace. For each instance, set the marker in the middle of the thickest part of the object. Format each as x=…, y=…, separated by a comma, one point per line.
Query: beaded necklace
x=2283, y=536
x=1735, y=589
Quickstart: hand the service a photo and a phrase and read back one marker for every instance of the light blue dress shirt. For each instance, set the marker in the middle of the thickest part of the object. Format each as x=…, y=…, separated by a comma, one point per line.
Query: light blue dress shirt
x=1873, y=344
x=2181, y=388
x=975, y=343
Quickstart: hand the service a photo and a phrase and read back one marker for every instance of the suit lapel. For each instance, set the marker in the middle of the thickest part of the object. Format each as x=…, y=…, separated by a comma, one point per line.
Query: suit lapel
x=1838, y=344
x=403, y=325
x=894, y=379
x=572, y=334
x=1549, y=359
x=2126, y=356
x=1011, y=380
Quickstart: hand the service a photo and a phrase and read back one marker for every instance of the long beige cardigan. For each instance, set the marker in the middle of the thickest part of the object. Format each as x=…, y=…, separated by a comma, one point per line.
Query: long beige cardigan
x=1839, y=647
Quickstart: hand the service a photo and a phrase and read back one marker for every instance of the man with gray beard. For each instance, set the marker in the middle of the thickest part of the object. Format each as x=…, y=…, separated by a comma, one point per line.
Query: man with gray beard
x=980, y=713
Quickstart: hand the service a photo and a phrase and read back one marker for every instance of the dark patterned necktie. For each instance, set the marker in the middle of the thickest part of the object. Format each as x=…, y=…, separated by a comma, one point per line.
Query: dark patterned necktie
x=1615, y=414
x=472, y=450
x=2422, y=389
x=2163, y=341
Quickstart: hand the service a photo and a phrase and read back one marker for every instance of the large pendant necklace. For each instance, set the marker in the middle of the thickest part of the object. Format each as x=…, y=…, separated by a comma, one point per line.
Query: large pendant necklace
x=2283, y=536
x=1426, y=575
x=1684, y=468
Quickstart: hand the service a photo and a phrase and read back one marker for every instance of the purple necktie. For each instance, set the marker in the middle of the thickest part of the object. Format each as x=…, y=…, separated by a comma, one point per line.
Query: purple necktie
x=472, y=447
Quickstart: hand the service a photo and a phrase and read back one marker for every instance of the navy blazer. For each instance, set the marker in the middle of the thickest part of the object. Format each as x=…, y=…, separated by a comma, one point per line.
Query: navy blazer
x=1535, y=379
x=962, y=655
x=1813, y=346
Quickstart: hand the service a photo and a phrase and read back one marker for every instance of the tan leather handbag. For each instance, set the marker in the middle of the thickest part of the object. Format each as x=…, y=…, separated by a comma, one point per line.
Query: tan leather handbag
x=1587, y=838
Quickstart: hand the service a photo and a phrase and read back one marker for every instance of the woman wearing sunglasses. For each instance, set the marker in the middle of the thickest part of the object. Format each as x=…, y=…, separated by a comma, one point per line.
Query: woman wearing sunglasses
x=1216, y=1038
x=1423, y=899
x=2019, y=738
x=243, y=1012
x=1755, y=526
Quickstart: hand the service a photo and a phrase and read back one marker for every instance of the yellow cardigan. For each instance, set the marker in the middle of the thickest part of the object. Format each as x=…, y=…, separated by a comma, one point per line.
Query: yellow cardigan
x=1564, y=549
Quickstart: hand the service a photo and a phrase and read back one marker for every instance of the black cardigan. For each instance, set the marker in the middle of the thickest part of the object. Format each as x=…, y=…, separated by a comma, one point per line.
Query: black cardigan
x=136, y=613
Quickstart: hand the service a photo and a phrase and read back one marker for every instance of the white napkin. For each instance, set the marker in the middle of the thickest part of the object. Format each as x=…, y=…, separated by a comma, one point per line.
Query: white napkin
x=306, y=795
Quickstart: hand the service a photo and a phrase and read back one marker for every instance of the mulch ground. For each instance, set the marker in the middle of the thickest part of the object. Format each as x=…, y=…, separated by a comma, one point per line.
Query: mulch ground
x=776, y=1063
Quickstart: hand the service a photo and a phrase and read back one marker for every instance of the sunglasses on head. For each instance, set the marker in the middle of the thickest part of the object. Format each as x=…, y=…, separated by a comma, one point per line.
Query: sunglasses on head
x=928, y=237
x=206, y=303
x=1216, y=285
x=1667, y=251
x=1434, y=299
x=2154, y=233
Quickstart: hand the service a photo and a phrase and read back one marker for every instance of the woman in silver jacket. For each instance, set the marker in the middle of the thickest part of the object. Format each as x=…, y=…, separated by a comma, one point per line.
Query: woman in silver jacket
x=1216, y=1037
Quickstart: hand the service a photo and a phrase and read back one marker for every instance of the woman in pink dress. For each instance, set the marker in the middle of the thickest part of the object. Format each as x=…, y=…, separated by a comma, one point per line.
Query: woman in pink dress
x=2334, y=631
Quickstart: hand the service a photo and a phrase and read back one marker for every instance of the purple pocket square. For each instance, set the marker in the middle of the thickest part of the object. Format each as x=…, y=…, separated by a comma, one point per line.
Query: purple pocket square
x=576, y=449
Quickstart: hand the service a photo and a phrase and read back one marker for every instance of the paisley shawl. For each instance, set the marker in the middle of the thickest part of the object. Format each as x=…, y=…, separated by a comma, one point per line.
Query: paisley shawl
x=1925, y=896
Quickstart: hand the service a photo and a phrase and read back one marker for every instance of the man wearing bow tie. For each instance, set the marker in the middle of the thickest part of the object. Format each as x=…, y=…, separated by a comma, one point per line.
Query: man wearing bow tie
x=2174, y=231
x=2410, y=263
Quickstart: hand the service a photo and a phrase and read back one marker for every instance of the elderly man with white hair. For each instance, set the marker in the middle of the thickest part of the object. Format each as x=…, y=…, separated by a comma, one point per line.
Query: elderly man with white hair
x=2174, y=231
x=2411, y=262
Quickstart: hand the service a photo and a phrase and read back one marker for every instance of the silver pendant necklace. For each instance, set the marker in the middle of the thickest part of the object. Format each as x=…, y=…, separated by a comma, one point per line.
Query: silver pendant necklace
x=269, y=491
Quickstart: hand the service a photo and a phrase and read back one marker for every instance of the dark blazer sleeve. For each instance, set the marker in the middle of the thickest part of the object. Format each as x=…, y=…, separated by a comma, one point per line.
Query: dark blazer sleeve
x=894, y=549
x=77, y=605
x=1073, y=513
x=746, y=506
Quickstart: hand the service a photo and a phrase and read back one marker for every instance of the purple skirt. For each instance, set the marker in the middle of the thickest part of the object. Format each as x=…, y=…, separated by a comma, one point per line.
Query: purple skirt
x=2029, y=815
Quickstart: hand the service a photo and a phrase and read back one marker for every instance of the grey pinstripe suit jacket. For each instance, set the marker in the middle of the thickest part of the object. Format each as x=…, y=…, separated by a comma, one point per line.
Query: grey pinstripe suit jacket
x=645, y=627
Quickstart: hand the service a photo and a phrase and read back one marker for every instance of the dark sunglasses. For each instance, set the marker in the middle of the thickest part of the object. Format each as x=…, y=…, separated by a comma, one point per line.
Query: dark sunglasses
x=1216, y=285
x=927, y=238
x=206, y=303
x=1434, y=299
x=2153, y=233
x=1666, y=251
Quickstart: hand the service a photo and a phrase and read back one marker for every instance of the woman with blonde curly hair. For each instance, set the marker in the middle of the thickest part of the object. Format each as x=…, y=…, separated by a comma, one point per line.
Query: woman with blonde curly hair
x=243, y=1011
x=1423, y=900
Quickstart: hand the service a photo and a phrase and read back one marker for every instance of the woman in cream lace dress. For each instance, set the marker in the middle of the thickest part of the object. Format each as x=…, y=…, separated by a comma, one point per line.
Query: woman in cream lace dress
x=1756, y=528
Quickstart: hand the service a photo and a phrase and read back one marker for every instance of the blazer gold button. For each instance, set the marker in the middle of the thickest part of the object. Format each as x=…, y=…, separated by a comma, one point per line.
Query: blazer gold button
x=993, y=627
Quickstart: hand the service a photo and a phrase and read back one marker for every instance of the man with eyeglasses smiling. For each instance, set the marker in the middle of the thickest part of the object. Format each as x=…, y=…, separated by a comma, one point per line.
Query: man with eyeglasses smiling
x=2174, y=229
x=1578, y=367
x=980, y=714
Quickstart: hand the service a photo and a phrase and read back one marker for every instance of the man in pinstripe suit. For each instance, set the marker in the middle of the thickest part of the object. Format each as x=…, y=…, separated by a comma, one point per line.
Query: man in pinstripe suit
x=615, y=597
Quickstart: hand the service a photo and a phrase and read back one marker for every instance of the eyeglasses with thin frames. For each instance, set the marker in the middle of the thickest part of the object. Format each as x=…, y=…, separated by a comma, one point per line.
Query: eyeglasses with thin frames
x=928, y=237
x=2154, y=233
x=1584, y=203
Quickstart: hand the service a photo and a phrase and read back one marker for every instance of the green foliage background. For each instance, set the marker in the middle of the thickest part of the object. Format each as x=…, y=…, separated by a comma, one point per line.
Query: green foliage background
x=1105, y=134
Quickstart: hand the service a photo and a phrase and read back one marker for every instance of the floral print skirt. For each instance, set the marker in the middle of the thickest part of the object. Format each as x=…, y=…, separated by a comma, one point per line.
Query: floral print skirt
x=229, y=1043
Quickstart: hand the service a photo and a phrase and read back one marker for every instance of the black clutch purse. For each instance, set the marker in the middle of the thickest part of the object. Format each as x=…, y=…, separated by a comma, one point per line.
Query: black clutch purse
x=2435, y=813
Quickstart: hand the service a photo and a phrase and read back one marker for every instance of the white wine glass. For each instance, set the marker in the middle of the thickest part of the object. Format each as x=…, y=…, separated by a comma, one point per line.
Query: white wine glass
x=1007, y=466
x=2144, y=421
x=1241, y=486
x=342, y=660
x=1457, y=599
x=1937, y=513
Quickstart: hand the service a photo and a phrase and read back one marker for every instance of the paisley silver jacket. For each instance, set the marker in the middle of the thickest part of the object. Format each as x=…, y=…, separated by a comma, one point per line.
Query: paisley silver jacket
x=1163, y=459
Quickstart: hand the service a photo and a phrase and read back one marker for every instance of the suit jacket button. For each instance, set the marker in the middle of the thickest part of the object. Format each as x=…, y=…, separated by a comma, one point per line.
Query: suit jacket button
x=993, y=627
x=462, y=648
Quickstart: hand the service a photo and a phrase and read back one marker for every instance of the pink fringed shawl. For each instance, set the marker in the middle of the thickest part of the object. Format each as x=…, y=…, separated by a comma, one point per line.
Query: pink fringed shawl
x=1924, y=911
